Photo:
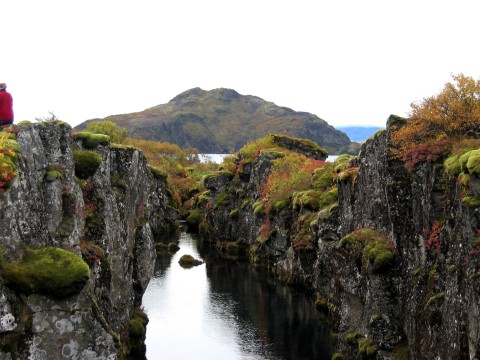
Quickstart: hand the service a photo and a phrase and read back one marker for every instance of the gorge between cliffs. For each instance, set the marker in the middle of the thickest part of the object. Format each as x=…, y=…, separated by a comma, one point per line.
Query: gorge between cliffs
x=389, y=255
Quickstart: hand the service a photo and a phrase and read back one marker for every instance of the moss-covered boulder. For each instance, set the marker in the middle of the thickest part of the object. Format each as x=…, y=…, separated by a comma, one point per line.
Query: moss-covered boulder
x=91, y=140
x=86, y=163
x=50, y=271
x=188, y=261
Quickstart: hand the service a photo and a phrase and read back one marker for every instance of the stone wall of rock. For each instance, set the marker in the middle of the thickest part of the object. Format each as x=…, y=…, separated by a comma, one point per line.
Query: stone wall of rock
x=109, y=217
x=424, y=304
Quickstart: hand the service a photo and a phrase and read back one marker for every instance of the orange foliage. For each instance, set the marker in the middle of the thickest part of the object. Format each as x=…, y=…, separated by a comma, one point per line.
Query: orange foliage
x=451, y=114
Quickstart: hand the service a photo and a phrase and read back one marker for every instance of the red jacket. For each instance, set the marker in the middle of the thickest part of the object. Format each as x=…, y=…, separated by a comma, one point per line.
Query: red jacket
x=6, y=106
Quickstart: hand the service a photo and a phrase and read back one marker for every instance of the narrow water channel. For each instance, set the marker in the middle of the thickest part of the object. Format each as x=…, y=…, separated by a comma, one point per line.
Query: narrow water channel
x=225, y=309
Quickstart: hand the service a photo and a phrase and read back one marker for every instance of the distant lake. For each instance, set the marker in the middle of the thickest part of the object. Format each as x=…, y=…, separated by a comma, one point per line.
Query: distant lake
x=218, y=158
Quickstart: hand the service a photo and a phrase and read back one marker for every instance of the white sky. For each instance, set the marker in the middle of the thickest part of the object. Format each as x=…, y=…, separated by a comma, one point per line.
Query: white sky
x=349, y=62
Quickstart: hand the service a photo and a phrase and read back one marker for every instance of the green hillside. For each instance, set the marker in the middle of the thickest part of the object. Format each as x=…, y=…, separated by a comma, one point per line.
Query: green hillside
x=222, y=121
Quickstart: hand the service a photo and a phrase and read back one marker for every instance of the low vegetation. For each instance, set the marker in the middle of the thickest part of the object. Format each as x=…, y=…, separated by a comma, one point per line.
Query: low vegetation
x=439, y=123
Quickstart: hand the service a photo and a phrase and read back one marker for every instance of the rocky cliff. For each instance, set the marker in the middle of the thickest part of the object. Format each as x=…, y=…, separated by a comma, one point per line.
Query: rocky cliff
x=77, y=228
x=393, y=260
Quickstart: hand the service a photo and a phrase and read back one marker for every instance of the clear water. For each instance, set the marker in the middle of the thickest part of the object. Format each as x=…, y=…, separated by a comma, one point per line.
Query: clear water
x=225, y=309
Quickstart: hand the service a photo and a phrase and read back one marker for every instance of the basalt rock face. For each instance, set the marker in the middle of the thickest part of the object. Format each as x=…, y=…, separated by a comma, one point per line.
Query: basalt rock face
x=109, y=219
x=424, y=303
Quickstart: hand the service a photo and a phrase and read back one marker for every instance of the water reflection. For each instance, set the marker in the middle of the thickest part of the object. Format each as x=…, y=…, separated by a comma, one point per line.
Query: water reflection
x=226, y=310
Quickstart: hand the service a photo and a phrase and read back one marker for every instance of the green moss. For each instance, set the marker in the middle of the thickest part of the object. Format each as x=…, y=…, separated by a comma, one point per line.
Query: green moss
x=352, y=337
x=90, y=140
x=86, y=163
x=323, y=176
x=472, y=201
x=189, y=261
x=222, y=199
x=366, y=347
x=194, y=218
x=245, y=203
x=338, y=356
x=157, y=173
x=273, y=153
x=280, y=205
x=375, y=247
x=348, y=174
x=50, y=271
x=342, y=162
x=53, y=175
x=329, y=197
x=452, y=165
x=233, y=213
x=327, y=212
x=136, y=328
x=436, y=300
x=204, y=228
x=473, y=163
x=309, y=199
x=173, y=247
x=258, y=208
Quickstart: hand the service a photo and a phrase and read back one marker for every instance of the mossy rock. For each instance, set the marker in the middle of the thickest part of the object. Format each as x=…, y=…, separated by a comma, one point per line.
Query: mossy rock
x=136, y=328
x=91, y=140
x=188, y=261
x=323, y=176
x=452, y=165
x=436, y=300
x=366, y=347
x=233, y=214
x=53, y=175
x=49, y=271
x=157, y=173
x=222, y=199
x=86, y=163
x=352, y=338
x=309, y=199
x=173, y=247
x=138, y=323
x=258, y=208
x=194, y=219
x=338, y=356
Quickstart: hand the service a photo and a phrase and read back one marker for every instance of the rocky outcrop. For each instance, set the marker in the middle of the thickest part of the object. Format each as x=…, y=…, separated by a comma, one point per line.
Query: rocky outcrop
x=101, y=204
x=395, y=262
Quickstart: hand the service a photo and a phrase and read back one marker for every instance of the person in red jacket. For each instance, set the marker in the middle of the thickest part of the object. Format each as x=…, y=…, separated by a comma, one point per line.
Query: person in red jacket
x=6, y=106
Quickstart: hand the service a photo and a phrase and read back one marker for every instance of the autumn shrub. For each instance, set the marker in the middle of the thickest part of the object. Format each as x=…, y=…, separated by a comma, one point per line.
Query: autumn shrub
x=9, y=150
x=443, y=119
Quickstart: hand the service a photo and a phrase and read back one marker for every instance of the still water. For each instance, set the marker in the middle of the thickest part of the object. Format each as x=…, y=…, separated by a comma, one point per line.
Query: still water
x=225, y=309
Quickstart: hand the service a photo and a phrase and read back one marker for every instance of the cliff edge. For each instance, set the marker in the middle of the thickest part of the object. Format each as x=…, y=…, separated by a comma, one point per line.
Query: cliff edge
x=391, y=254
x=77, y=228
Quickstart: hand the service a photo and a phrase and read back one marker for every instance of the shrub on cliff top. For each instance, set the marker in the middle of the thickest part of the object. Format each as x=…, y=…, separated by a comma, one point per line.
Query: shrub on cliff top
x=49, y=270
x=445, y=117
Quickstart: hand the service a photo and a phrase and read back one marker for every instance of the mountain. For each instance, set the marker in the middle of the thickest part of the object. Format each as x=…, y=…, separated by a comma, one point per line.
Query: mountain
x=359, y=133
x=222, y=121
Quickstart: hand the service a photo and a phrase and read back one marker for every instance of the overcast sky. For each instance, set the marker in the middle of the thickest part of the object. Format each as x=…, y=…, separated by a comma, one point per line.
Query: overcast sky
x=349, y=62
